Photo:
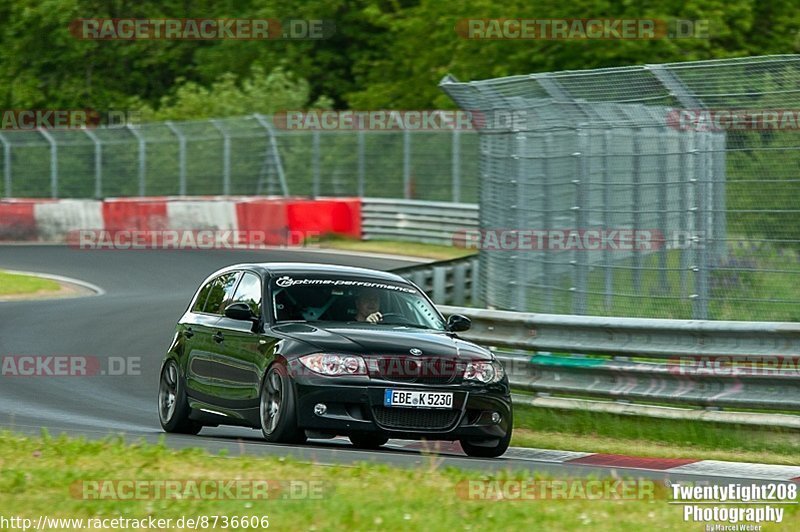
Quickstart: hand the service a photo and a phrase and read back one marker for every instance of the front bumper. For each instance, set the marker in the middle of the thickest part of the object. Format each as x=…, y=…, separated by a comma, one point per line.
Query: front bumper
x=357, y=407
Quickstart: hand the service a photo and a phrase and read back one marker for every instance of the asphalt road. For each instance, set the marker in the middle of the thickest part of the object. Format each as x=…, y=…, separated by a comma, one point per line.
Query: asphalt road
x=145, y=293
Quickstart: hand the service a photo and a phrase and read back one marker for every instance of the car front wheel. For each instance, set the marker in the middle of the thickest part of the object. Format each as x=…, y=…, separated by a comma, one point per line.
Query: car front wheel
x=278, y=408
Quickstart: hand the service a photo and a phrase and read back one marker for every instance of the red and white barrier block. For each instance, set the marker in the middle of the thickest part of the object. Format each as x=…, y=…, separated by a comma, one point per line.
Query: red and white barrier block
x=177, y=222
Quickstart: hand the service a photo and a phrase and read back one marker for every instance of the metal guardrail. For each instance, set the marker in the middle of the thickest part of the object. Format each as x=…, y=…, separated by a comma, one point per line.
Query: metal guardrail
x=631, y=336
x=672, y=383
x=717, y=364
x=430, y=222
x=449, y=282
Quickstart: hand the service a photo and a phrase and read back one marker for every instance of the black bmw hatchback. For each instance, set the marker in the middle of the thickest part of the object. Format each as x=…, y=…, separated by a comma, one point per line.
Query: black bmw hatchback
x=315, y=351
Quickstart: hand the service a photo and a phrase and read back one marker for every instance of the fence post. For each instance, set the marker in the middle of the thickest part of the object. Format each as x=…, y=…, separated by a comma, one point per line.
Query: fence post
x=608, y=272
x=456, y=164
x=142, y=157
x=53, y=162
x=580, y=207
x=700, y=307
x=98, y=164
x=275, y=153
x=6, y=166
x=226, y=157
x=181, y=157
x=474, y=290
x=517, y=282
x=315, y=167
x=440, y=284
x=407, y=163
x=637, y=206
x=547, y=220
x=663, y=190
x=687, y=150
x=361, y=167
x=719, y=179
x=459, y=281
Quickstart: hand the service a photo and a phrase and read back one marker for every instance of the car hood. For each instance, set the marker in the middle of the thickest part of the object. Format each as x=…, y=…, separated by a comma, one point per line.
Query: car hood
x=381, y=340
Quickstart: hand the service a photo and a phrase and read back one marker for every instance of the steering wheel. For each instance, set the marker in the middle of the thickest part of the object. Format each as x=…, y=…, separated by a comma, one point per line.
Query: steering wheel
x=392, y=314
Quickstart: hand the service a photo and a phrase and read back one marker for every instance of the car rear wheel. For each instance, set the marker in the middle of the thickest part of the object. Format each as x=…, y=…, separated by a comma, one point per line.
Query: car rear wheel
x=278, y=408
x=368, y=441
x=173, y=408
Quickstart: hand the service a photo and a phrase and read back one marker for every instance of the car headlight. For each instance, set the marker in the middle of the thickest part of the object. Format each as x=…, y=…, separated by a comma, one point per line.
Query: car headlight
x=484, y=372
x=334, y=365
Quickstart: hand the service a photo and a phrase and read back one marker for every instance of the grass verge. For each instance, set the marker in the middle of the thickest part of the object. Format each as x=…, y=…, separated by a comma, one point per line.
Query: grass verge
x=599, y=432
x=755, y=282
x=12, y=284
x=38, y=476
x=411, y=249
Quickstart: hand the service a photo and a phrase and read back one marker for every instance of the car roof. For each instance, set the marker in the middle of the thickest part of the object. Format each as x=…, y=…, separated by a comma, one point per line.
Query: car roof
x=310, y=268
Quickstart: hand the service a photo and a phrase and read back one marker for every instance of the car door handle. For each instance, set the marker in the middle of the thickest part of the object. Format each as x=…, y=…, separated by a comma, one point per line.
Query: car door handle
x=188, y=333
x=218, y=337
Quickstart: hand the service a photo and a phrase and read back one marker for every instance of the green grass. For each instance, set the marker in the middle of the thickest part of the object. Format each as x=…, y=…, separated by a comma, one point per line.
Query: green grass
x=38, y=476
x=411, y=249
x=753, y=283
x=766, y=273
x=599, y=432
x=12, y=284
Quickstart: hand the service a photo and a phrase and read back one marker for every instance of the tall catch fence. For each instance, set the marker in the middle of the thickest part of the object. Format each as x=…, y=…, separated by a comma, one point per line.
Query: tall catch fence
x=239, y=156
x=668, y=191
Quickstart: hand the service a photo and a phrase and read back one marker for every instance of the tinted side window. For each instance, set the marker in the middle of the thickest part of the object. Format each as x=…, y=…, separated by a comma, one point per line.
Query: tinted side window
x=200, y=303
x=220, y=294
x=249, y=291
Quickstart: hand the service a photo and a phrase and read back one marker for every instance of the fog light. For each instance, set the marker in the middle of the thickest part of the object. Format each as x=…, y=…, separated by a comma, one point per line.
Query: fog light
x=320, y=409
x=496, y=418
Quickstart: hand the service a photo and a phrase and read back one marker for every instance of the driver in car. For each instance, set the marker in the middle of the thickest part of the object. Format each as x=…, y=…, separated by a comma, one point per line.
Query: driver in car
x=368, y=306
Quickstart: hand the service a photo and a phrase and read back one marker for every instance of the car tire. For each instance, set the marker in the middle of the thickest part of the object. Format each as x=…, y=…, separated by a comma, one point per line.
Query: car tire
x=368, y=441
x=479, y=450
x=173, y=408
x=278, y=407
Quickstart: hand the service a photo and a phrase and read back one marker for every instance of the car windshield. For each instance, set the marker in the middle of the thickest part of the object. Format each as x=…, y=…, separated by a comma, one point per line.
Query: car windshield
x=349, y=300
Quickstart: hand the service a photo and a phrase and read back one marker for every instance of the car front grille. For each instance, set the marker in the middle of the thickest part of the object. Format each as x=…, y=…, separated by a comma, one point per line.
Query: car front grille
x=415, y=418
x=409, y=369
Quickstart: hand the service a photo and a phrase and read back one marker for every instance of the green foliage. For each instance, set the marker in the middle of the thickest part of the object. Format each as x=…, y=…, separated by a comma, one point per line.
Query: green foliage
x=383, y=54
x=259, y=93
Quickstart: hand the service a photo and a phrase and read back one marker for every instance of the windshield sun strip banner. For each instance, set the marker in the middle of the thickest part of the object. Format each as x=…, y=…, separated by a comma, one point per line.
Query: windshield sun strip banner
x=286, y=281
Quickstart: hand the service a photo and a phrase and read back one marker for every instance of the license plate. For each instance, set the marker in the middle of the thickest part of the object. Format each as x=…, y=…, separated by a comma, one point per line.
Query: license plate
x=415, y=399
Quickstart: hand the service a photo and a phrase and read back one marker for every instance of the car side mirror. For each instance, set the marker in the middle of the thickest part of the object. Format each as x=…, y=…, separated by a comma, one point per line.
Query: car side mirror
x=239, y=311
x=458, y=323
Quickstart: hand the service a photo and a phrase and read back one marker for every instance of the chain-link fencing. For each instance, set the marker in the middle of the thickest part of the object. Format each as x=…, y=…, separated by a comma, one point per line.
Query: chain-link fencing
x=243, y=155
x=667, y=191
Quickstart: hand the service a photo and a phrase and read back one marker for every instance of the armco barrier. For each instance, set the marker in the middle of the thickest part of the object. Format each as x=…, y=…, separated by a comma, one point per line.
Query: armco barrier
x=431, y=222
x=448, y=282
x=718, y=364
x=676, y=382
x=277, y=217
x=644, y=337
